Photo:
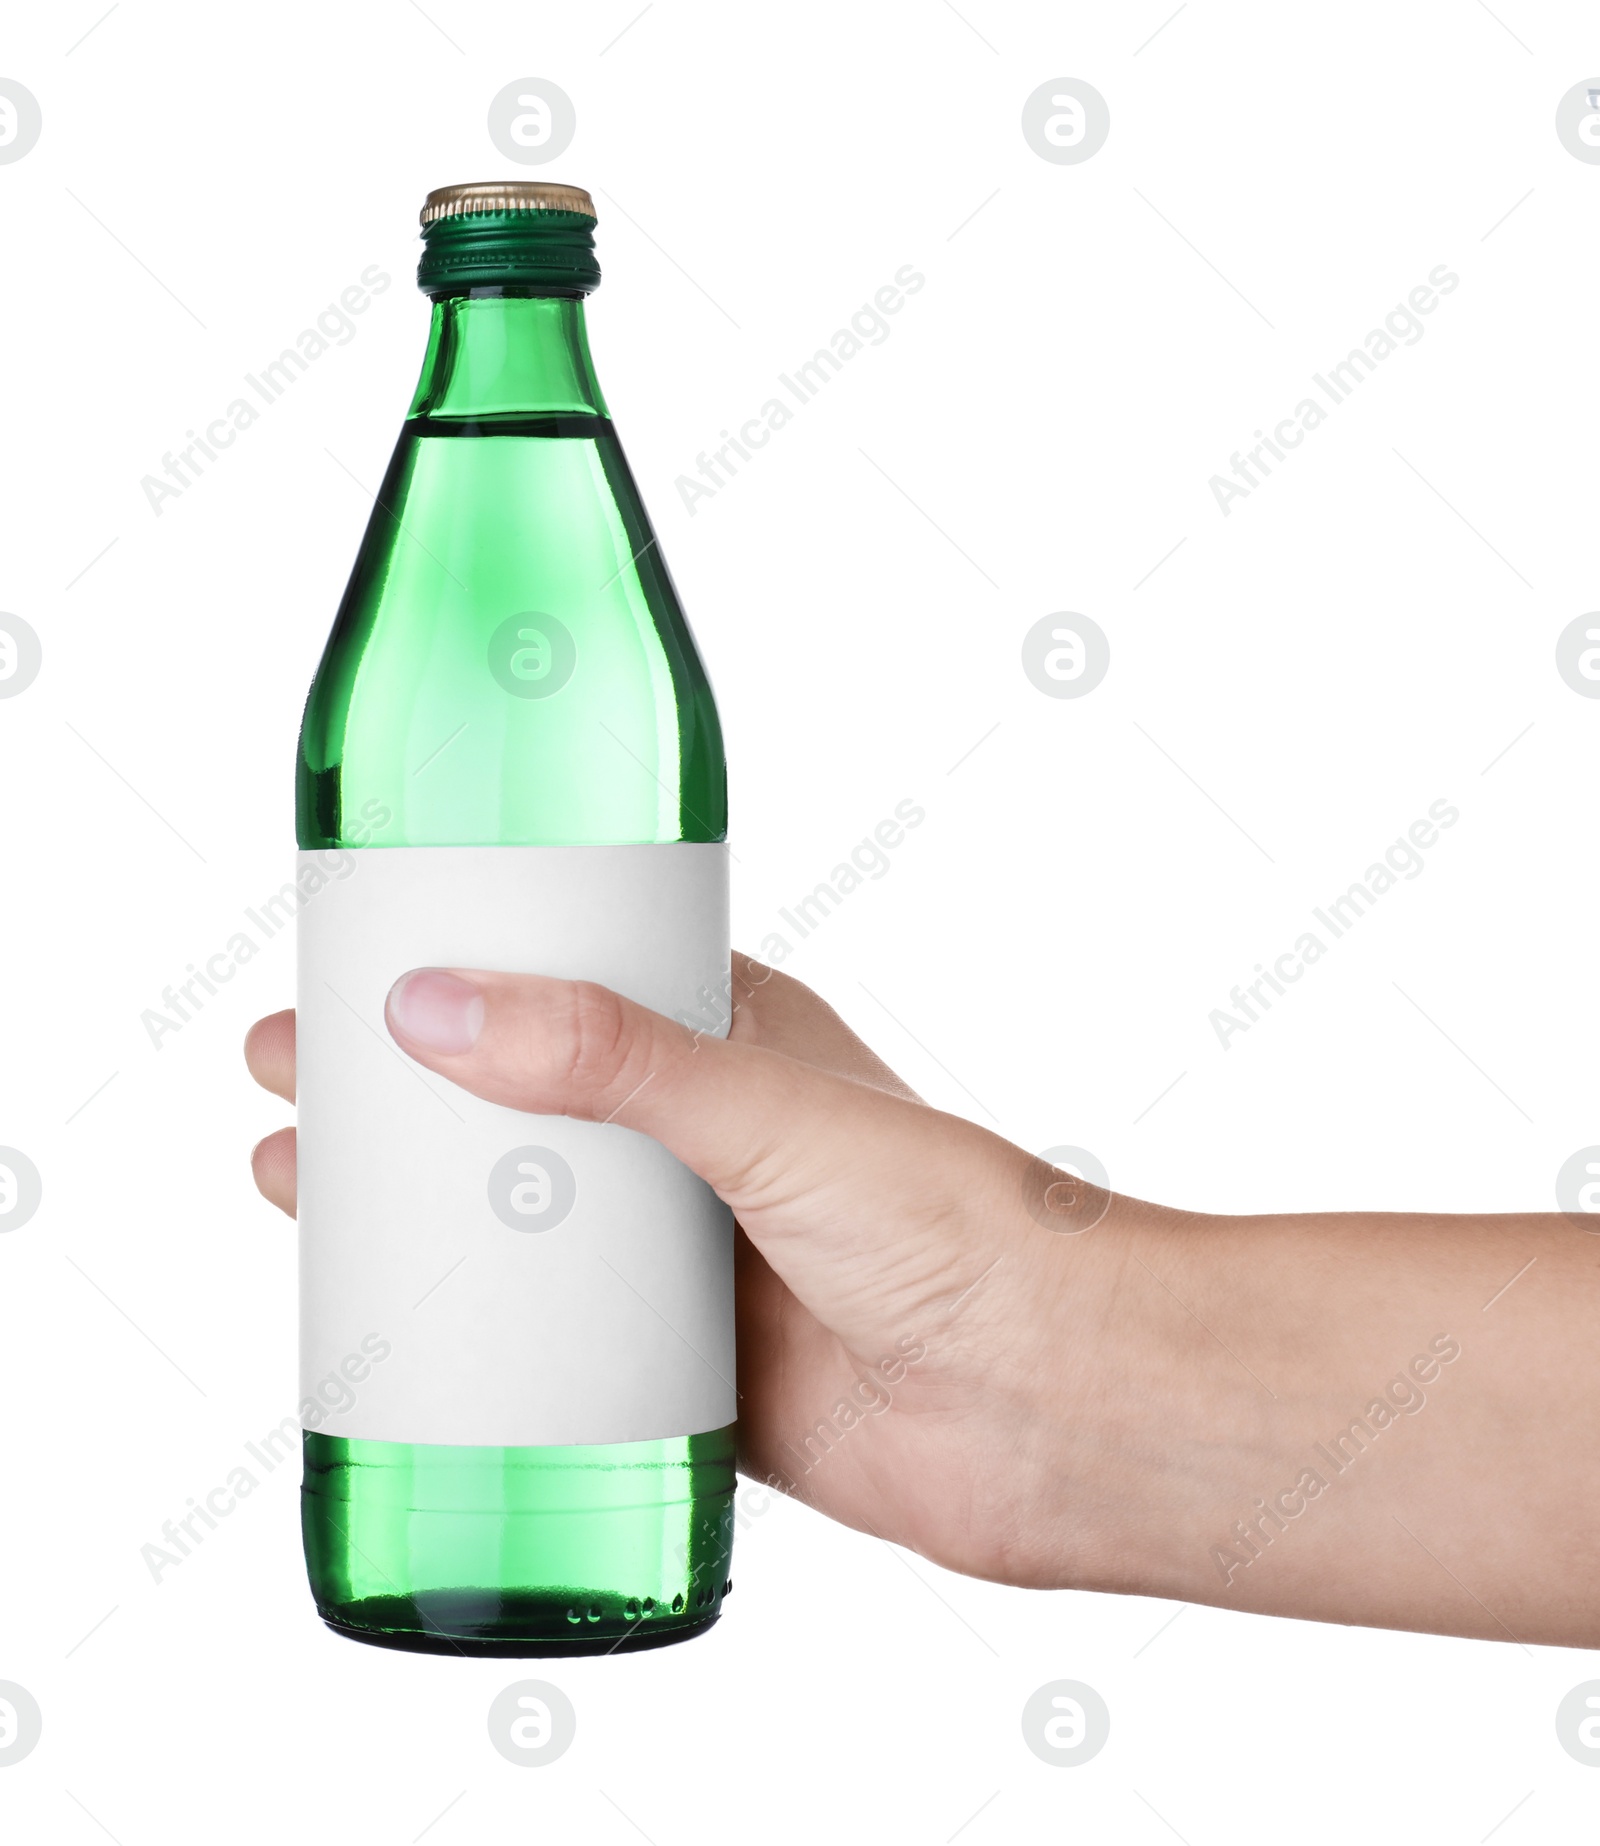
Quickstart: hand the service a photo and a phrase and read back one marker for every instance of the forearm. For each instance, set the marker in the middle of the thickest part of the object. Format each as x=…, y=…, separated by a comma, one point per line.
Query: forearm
x=1367, y=1418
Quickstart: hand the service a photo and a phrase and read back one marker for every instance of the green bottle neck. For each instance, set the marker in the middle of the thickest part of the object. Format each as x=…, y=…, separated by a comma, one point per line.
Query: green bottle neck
x=494, y=354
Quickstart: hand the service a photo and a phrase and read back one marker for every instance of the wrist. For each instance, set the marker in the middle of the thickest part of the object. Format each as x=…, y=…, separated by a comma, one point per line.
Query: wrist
x=1148, y=1420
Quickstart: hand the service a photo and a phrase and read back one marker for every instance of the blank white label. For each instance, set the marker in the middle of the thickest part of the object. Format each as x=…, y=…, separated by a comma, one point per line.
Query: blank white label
x=536, y=1280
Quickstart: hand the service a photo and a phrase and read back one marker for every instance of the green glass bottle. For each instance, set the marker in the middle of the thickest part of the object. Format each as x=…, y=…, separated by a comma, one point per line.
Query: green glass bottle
x=517, y=1350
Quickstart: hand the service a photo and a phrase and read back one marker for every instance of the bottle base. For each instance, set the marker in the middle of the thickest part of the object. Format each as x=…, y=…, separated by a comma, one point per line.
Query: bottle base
x=521, y=1553
x=472, y=1625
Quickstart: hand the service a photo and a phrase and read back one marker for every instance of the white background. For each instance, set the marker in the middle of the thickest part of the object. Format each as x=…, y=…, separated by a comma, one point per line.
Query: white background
x=1362, y=636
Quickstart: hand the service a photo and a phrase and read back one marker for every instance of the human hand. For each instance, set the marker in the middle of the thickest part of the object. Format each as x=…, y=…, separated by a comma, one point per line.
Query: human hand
x=952, y=1345
x=900, y=1307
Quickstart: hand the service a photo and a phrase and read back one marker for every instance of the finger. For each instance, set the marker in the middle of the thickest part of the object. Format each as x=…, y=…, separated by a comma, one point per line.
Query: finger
x=269, y=1053
x=866, y=1204
x=777, y=1011
x=792, y=1369
x=273, y=1163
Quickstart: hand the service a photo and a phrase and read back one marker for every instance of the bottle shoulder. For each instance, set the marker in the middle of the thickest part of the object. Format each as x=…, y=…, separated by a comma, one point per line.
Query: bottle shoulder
x=511, y=661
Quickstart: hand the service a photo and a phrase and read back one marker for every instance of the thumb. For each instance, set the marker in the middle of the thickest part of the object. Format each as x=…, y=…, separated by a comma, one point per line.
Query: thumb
x=870, y=1207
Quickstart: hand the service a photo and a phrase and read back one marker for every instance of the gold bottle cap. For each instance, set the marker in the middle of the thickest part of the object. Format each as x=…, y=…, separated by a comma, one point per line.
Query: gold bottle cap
x=506, y=195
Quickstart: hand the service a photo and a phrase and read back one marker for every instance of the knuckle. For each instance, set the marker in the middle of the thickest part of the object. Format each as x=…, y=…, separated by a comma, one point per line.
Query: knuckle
x=603, y=1041
x=764, y=999
x=751, y=972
